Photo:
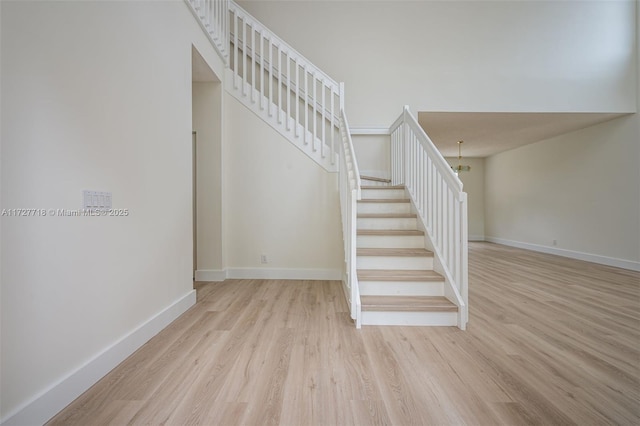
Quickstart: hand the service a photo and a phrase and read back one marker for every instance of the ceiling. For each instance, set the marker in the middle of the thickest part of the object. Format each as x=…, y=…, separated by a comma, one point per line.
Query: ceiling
x=488, y=133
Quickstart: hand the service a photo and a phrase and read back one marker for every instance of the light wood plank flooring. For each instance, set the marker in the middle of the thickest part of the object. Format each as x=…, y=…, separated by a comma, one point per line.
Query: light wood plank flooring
x=550, y=341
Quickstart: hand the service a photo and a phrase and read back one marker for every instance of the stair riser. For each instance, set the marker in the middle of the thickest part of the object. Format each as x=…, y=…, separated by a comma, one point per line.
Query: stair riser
x=383, y=194
x=401, y=288
x=410, y=318
x=390, y=241
x=387, y=223
x=394, y=262
x=384, y=208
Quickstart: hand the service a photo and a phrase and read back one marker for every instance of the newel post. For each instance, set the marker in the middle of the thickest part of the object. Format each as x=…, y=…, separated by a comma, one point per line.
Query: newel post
x=405, y=144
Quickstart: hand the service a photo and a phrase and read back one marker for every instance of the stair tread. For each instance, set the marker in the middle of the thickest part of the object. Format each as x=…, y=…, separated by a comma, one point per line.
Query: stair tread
x=375, y=179
x=381, y=187
x=398, y=275
x=384, y=200
x=386, y=215
x=399, y=252
x=407, y=303
x=390, y=232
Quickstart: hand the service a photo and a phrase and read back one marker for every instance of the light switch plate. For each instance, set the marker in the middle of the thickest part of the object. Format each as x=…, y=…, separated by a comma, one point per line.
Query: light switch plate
x=96, y=200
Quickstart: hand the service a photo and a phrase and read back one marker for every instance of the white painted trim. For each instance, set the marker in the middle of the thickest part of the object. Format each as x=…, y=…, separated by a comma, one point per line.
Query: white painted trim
x=211, y=275
x=49, y=402
x=359, y=131
x=383, y=174
x=268, y=274
x=475, y=238
x=284, y=274
x=588, y=257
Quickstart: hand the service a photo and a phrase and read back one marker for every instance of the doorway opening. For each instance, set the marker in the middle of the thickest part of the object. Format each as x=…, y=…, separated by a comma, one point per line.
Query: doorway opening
x=206, y=149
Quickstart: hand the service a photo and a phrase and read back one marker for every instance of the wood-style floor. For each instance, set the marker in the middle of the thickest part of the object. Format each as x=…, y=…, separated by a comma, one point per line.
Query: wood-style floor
x=550, y=341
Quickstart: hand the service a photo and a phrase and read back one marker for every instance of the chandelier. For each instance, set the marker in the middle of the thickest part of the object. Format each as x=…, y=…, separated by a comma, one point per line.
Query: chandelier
x=460, y=168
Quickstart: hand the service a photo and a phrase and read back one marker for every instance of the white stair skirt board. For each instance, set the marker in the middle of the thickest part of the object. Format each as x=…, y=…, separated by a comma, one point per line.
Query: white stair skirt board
x=394, y=262
x=410, y=318
x=62, y=393
x=381, y=174
x=376, y=207
x=368, y=182
x=375, y=179
x=401, y=288
x=387, y=223
x=390, y=241
x=383, y=194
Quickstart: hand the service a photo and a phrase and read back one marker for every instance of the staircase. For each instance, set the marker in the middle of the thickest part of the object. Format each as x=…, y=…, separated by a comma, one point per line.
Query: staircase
x=404, y=245
x=398, y=285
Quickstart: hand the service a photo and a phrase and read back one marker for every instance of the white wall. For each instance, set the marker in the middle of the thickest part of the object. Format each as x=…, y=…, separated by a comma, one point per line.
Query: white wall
x=373, y=153
x=530, y=56
x=580, y=189
x=277, y=202
x=473, y=185
x=95, y=95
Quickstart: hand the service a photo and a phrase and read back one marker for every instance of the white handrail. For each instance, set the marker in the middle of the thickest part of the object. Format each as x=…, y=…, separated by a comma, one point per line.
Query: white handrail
x=350, y=193
x=437, y=195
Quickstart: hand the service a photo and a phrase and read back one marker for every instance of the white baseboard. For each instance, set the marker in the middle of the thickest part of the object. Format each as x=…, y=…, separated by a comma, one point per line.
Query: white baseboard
x=48, y=403
x=476, y=238
x=588, y=257
x=211, y=275
x=268, y=274
x=284, y=274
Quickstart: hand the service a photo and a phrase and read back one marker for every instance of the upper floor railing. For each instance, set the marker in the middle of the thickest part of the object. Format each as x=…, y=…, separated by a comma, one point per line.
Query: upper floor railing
x=437, y=195
x=282, y=82
x=274, y=80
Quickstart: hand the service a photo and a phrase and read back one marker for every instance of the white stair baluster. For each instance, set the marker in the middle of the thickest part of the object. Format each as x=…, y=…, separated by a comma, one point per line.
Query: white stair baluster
x=306, y=103
x=245, y=79
x=263, y=92
x=288, y=94
x=270, y=75
x=315, y=111
x=279, y=82
x=297, y=104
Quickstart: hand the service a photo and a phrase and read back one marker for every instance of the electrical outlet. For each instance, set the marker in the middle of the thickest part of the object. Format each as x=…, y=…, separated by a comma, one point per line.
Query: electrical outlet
x=555, y=242
x=263, y=258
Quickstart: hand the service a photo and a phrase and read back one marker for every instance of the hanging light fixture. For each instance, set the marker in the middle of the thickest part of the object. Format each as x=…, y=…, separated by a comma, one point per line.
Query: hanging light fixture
x=460, y=168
